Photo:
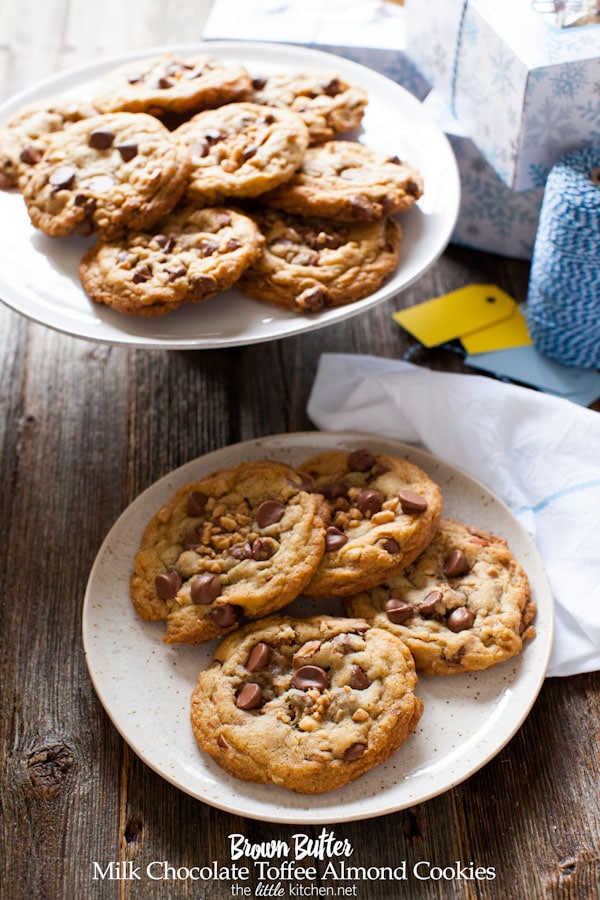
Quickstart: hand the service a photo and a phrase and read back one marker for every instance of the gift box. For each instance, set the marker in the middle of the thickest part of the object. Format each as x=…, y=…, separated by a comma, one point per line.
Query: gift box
x=492, y=216
x=523, y=88
x=369, y=32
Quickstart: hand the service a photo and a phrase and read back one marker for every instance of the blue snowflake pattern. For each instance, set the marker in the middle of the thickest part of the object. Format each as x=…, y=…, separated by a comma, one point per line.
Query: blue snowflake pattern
x=569, y=80
x=538, y=174
x=556, y=47
x=492, y=216
x=435, y=61
x=505, y=208
x=548, y=122
x=590, y=112
x=502, y=70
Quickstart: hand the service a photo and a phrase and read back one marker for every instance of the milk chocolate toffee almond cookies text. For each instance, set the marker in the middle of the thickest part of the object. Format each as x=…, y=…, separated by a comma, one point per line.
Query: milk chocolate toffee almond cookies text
x=462, y=606
x=308, y=704
x=243, y=541
x=384, y=512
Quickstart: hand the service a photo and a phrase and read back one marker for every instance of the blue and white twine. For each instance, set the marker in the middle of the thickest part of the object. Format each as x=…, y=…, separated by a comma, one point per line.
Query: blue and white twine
x=563, y=301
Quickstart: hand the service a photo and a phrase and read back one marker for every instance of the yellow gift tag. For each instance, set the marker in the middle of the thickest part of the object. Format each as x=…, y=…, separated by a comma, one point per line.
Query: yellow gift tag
x=453, y=315
x=511, y=332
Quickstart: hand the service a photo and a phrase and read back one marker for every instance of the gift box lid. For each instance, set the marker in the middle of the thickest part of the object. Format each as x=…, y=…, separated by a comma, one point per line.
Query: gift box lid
x=535, y=37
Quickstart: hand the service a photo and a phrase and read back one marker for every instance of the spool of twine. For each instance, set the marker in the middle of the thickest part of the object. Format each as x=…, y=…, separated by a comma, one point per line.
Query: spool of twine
x=563, y=300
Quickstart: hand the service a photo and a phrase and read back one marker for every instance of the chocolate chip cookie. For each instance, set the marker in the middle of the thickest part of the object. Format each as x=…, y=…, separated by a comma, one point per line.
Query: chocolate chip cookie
x=241, y=150
x=308, y=704
x=105, y=175
x=189, y=256
x=348, y=182
x=172, y=83
x=243, y=541
x=462, y=606
x=327, y=103
x=23, y=137
x=308, y=264
x=384, y=512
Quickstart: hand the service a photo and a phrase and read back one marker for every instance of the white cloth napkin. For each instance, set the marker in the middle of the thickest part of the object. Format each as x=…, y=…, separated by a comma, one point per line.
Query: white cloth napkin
x=540, y=454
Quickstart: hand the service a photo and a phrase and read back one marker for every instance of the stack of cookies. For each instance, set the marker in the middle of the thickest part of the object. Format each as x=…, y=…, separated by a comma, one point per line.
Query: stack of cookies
x=195, y=176
x=313, y=703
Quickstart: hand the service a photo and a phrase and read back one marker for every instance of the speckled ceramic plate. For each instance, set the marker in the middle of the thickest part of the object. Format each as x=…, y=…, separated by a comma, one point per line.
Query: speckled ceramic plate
x=39, y=275
x=145, y=684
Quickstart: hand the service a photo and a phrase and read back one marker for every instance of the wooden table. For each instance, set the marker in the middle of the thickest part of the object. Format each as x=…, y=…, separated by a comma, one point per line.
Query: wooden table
x=85, y=429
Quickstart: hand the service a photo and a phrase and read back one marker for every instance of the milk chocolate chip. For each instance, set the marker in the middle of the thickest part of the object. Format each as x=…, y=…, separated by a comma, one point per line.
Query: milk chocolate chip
x=369, y=501
x=455, y=564
x=428, y=604
x=332, y=88
x=460, y=619
x=62, y=178
x=101, y=139
x=201, y=285
x=269, y=513
x=259, y=658
x=354, y=751
x=142, y=274
x=263, y=548
x=226, y=615
x=360, y=460
x=192, y=539
x=334, y=490
x=334, y=538
x=196, y=503
x=391, y=545
x=30, y=155
x=412, y=502
x=205, y=588
x=307, y=677
x=242, y=551
x=249, y=696
x=312, y=299
x=127, y=150
x=167, y=585
x=397, y=610
x=359, y=679
x=165, y=242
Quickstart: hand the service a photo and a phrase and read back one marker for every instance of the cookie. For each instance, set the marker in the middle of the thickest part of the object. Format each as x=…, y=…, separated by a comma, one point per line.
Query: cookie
x=384, y=512
x=189, y=256
x=243, y=541
x=241, y=150
x=308, y=264
x=462, y=606
x=106, y=175
x=348, y=182
x=307, y=704
x=172, y=83
x=327, y=103
x=23, y=137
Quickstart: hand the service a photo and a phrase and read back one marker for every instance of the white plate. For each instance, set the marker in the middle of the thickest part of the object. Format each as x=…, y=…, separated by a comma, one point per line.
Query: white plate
x=39, y=275
x=145, y=684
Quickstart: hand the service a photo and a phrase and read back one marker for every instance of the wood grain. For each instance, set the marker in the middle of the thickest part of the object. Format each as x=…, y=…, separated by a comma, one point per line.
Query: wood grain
x=84, y=429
